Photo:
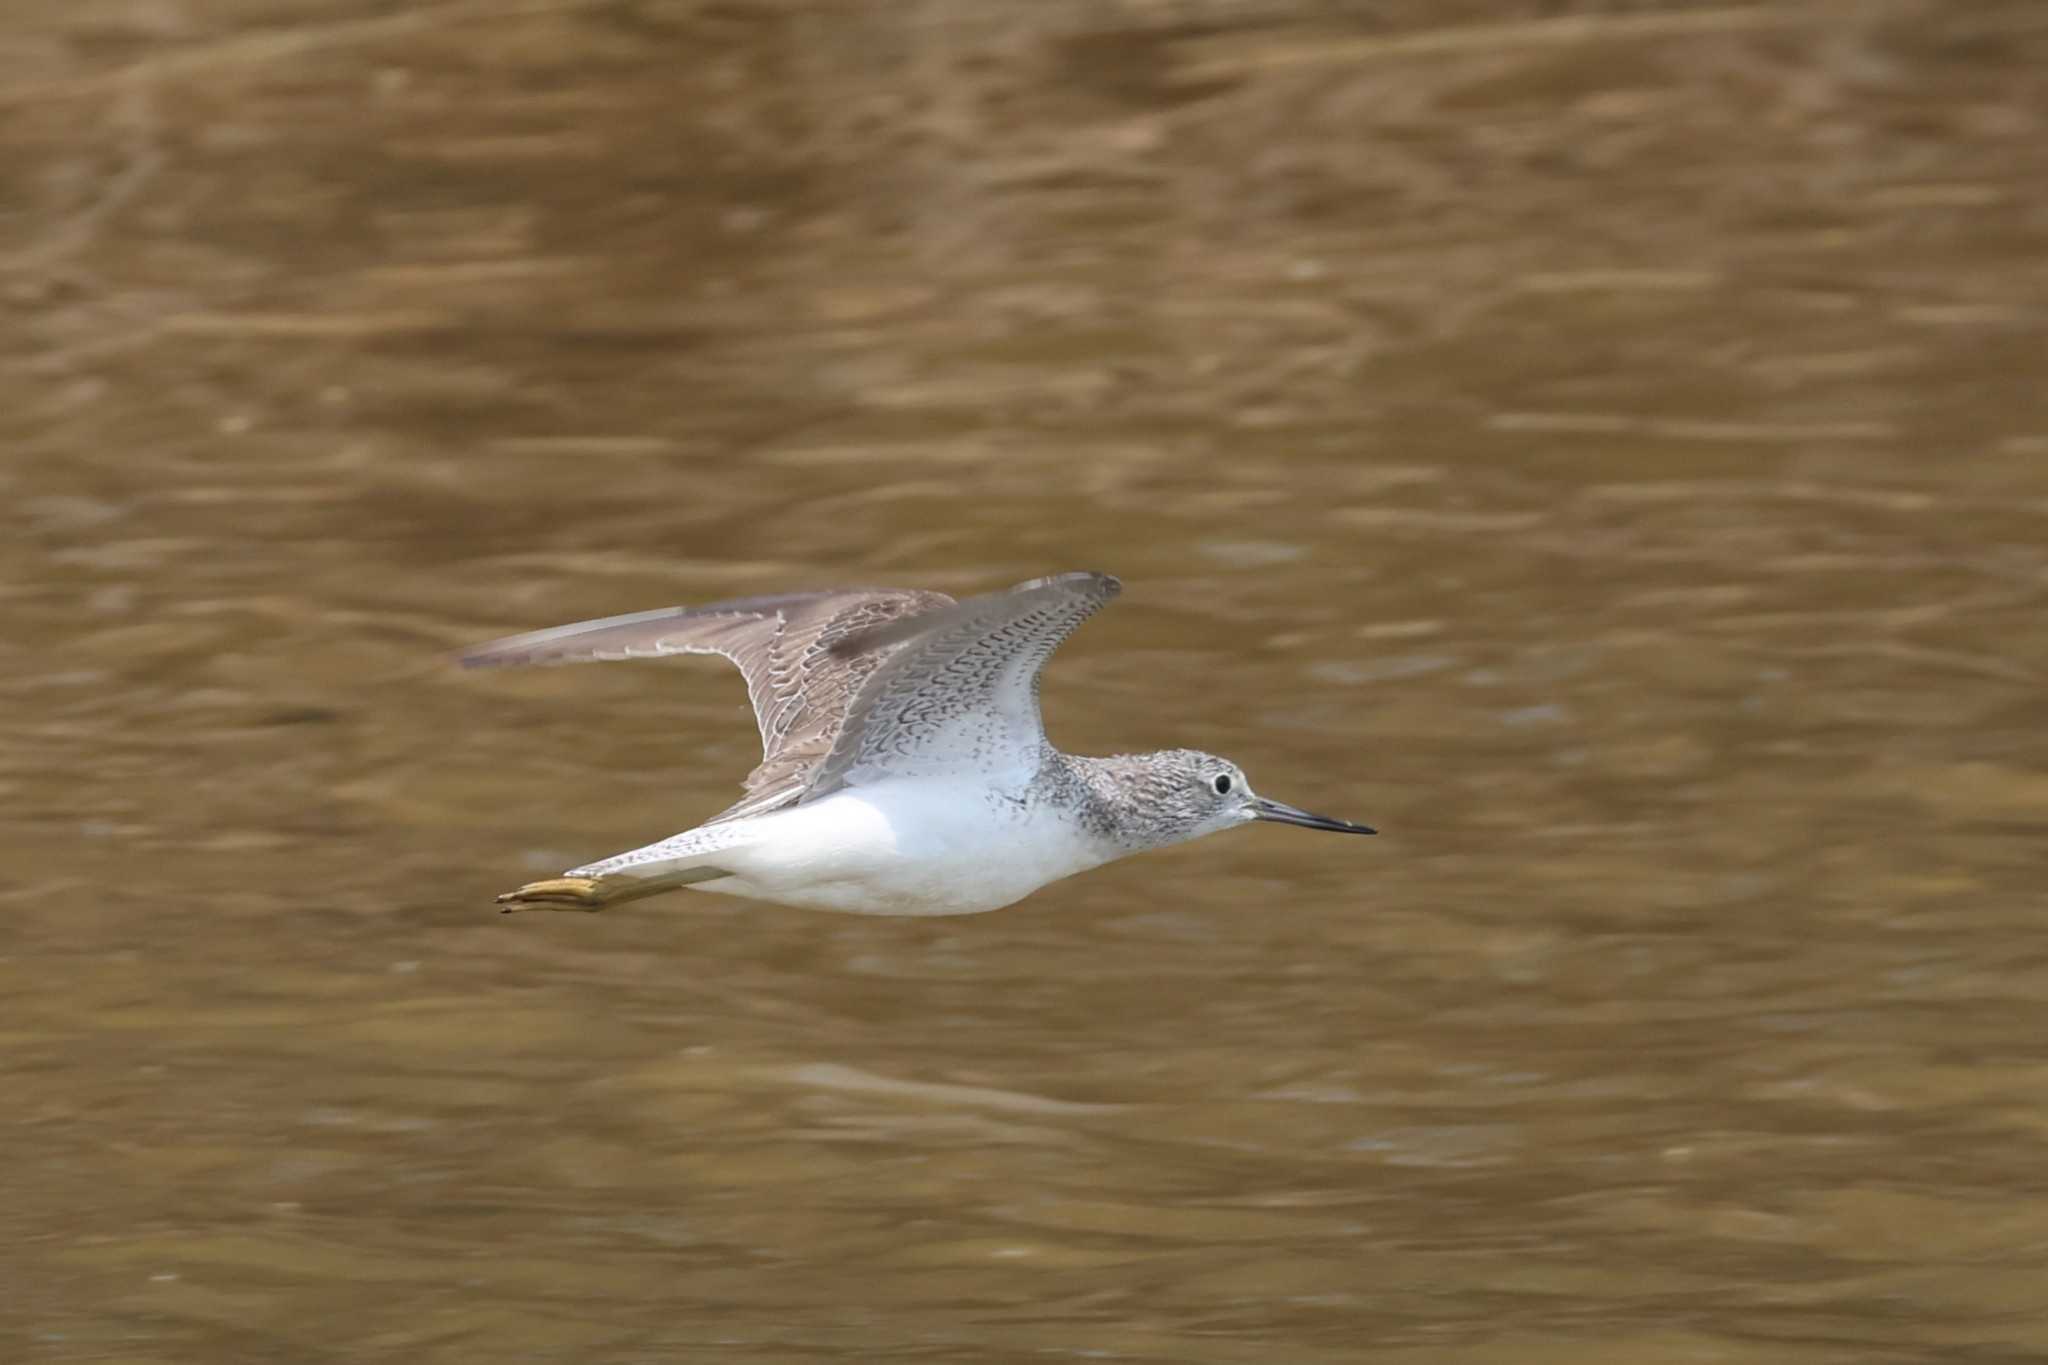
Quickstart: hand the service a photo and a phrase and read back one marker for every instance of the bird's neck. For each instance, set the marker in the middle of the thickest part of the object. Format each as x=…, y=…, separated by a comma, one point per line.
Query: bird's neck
x=1101, y=794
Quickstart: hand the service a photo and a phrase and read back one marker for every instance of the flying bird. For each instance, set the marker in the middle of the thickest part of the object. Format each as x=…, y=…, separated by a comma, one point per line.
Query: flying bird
x=904, y=765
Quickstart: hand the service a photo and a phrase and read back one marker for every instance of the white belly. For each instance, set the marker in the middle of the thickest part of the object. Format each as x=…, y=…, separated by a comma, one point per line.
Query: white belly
x=912, y=847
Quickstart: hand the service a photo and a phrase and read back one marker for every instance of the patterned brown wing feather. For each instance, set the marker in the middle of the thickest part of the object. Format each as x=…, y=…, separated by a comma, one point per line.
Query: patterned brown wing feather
x=955, y=688
x=790, y=649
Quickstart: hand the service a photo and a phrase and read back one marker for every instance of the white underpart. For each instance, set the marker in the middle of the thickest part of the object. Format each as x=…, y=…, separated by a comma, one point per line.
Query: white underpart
x=909, y=846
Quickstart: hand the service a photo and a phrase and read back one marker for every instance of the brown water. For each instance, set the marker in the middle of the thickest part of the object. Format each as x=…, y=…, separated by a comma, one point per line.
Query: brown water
x=1601, y=445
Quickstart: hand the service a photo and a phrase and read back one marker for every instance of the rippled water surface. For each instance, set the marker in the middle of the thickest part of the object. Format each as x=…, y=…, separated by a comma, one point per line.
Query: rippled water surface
x=1602, y=445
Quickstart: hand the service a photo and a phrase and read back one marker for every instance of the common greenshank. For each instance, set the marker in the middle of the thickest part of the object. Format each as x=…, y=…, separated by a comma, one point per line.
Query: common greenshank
x=904, y=768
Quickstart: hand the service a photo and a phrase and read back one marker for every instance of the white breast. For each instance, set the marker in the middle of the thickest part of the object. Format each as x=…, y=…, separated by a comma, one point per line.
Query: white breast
x=911, y=847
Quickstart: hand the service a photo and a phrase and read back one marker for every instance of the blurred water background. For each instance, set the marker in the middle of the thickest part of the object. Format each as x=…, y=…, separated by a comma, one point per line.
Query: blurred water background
x=1602, y=444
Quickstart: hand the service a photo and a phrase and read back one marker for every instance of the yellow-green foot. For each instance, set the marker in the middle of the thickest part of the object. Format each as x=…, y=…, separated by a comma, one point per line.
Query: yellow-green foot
x=557, y=893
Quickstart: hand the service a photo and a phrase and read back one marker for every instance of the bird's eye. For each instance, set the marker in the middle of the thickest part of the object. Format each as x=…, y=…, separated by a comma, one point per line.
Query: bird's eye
x=1222, y=784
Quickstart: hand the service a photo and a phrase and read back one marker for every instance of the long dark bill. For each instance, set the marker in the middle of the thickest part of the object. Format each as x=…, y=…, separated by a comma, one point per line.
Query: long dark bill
x=1282, y=813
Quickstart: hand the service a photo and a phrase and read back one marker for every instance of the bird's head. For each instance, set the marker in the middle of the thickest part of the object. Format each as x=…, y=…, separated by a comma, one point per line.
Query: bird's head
x=1180, y=794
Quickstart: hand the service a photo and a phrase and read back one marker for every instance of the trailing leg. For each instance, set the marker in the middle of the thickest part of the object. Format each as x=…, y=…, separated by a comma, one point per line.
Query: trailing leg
x=595, y=893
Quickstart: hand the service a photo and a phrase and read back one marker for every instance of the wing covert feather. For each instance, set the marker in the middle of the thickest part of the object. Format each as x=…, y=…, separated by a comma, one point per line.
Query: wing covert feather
x=956, y=690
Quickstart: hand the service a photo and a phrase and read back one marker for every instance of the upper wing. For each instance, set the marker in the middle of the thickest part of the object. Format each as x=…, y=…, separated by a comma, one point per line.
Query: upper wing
x=787, y=648
x=956, y=690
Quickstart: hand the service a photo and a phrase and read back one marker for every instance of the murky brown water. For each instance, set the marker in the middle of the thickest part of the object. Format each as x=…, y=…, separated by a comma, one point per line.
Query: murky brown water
x=1603, y=446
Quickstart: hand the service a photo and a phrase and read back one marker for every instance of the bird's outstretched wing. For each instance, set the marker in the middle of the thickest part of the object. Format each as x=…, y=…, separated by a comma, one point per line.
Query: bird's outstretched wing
x=789, y=648
x=956, y=689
